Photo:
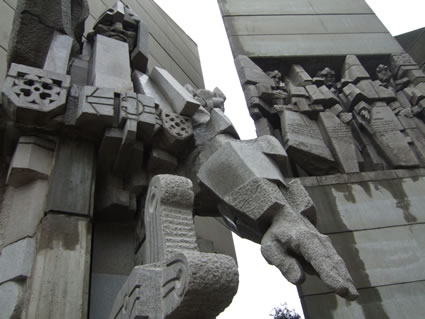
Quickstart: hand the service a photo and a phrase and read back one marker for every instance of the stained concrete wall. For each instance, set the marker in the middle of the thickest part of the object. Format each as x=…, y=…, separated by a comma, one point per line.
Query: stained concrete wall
x=377, y=224
x=293, y=28
x=170, y=47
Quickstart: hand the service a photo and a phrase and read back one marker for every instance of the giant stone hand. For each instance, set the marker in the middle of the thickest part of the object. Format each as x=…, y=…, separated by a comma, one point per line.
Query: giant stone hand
x=292, y=238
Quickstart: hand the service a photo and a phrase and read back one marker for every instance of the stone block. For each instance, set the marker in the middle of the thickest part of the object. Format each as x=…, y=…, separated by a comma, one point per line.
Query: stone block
x=61, y=271
x=59, y=52
x=33, y=96
x=144, y=85
x=139, y=55
x=106, y=70
x=296, y=91
x=71, y=182
x=11, y=294
x=180, y=99
x=415, y=76
x=299, y=76
x=130, y=155
x=32, y=160
x=250, y=73
x=96, y=107
x=353, y=71
x=399, y=60
x=16, y=260
x=304, y=143
x=340, y=140
x=139, y=108
x=25, y=208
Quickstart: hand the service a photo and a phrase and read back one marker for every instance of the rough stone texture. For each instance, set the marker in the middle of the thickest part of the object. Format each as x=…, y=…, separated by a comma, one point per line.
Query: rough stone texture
x=71, y=183
x=33, y=96
x=16, y=260
x=168, y=218
x=106, y=70
x=11, y=294
x=32, y=160
x=189, y=285
x=60, y=277
x=35, y=24
x=181, y=100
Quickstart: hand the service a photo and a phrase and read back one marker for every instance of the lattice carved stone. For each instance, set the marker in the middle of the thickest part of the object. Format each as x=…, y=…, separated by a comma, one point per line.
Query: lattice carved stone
x=33, y=96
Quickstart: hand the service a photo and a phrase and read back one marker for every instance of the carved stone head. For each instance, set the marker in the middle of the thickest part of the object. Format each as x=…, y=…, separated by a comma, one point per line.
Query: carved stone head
x=383, y=73
x=119, y=23
x=276, y=77
x=328, y=76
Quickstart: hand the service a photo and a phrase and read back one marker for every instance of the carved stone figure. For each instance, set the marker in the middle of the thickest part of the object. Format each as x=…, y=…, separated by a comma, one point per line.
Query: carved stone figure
x=131, y=144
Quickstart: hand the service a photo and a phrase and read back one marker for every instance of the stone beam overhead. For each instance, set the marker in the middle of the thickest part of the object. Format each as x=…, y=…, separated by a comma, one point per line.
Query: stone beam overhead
x=291, y=28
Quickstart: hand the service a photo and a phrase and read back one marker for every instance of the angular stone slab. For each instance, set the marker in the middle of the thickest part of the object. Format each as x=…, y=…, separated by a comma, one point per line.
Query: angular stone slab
x=140, y=54
x=304, y=143
x=180, y=99
x=16, y=260
x=353, y=71
x=108, y=71
x=250, y=73
x=11, y=294
x=25, y=208
x=71, y=183
x=109, y=147
x=96, y=107
x=32, y=160
x=60, y=276
x=340, y=141
x=32, y=95
x=299, y=76
x=385, y=130
x=58, y=55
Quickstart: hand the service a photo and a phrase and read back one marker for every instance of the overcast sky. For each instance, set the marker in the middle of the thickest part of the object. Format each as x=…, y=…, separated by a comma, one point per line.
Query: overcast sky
x=261, y=286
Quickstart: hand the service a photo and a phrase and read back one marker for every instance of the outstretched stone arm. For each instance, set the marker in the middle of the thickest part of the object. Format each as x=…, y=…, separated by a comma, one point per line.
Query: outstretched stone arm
x=259, y=204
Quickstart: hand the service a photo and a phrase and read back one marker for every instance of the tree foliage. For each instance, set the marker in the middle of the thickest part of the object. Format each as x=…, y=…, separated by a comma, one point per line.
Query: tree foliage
x=283, y=312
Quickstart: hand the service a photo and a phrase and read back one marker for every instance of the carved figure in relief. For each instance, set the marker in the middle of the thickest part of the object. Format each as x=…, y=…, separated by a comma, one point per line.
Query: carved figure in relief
x=148, y=126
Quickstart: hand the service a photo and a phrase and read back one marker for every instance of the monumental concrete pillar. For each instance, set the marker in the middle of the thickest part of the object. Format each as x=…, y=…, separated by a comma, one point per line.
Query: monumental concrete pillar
x=350, y=97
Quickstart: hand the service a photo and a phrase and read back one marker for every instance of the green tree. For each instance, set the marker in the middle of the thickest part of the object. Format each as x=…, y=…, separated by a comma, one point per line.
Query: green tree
x=283, y=312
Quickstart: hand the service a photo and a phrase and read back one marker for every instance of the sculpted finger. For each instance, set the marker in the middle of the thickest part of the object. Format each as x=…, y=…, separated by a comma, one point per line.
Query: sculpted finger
x=319, y=252
x=275, y=254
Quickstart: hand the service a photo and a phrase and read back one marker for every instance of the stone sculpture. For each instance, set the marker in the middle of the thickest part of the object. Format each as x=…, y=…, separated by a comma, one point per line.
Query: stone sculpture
x=315, y=120
x=125, y=139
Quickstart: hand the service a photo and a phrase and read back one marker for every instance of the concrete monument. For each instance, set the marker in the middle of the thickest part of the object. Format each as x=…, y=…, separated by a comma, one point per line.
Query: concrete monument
x=350, y=118
x=99, y=137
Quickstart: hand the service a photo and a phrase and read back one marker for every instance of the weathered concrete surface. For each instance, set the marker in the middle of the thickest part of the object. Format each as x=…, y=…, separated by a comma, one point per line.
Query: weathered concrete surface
x=60, y=277
x=272, y=28
x=395, y=301
x=25, y=208
x=377, y=226
x=369, y=205
x=71, y=183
